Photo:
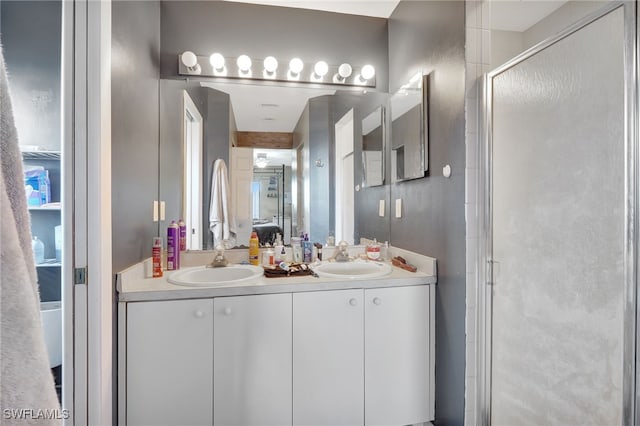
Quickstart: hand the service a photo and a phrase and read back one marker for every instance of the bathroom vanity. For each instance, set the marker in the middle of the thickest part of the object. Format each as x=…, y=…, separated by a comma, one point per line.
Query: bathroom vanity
x=277, y=351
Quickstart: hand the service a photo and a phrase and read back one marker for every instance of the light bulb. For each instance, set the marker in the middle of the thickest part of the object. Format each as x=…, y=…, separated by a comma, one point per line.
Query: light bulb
x=217, y=61
x=296, y=65
x=270, y=64
x=368, y=71
x=244, y=63
x=321, y=68
x=189, y=59
x=345, y=70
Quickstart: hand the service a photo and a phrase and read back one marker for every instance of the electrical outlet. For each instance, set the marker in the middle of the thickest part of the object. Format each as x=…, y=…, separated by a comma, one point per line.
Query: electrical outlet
x=381, y=208
x=162, y=209
x=155, y=210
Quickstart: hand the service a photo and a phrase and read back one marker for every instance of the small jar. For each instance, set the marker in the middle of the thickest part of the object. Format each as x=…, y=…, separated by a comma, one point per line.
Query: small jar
x=373, y=250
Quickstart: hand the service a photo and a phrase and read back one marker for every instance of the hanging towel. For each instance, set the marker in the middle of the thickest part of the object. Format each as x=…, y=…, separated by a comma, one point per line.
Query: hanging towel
x=222, y=222
x=25, y=376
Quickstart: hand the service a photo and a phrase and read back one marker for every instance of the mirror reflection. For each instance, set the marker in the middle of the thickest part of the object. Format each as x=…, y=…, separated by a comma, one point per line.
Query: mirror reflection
x=409, y=130
x=373, y=147
x=278, y=144
x=271, y=195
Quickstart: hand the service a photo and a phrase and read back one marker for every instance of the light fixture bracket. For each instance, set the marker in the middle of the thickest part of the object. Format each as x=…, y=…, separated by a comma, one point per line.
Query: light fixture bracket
x=306, y=77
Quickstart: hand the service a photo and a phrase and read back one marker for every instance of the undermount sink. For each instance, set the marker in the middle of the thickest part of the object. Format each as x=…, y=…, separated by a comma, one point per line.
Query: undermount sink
x=202, y=276
x=352, y=270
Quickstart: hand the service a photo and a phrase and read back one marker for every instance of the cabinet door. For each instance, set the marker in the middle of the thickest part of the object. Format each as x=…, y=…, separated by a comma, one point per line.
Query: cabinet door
x=397, y=355
x=252, y=360
x=170, y=363
x=328, y=365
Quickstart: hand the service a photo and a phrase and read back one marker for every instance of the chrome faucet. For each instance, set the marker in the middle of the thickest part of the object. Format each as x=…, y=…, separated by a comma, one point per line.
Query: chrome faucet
x=218, y=258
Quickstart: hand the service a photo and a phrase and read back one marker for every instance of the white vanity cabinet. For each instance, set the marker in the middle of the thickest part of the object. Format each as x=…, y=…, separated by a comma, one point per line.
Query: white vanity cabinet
x=398, y=355
x=360, y=356
x=252, y=360
x=328, y=362
x=169, y=363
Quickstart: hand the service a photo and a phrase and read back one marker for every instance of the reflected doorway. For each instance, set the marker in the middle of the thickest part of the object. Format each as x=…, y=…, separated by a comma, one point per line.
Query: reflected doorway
x=192, y=142
x=344, y=178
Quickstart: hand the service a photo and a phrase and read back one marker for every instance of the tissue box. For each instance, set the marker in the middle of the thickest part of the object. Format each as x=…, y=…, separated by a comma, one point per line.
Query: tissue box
x=37, y=186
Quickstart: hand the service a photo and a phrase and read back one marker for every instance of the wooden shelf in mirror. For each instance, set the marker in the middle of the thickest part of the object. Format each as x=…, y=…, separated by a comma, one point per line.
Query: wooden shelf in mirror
x=276, y=140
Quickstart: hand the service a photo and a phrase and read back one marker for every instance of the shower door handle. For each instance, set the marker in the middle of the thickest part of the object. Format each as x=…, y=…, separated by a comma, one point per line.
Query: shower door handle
x=494, y=271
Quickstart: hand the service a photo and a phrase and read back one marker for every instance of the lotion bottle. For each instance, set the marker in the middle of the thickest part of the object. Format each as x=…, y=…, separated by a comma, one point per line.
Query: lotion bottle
x=254, y=249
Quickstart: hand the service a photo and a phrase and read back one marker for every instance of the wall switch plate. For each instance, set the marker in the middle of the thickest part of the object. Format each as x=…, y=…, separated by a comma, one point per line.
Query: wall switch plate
x=381, y=208
x=162, y=208
x=155, y=210
x=399, y=208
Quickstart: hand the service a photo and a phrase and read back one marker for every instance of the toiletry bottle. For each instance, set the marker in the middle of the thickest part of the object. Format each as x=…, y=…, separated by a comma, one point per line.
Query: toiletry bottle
x=157, y=257
x=331, y=240
x=278, y=250
x=269, y=256
x=183, y=235
x=307, y=250
x=173, y=246
x=373, y=250
x=254, y=249
x=296, y=249
x=318, y=247
x=384, y=251
x=38, y=250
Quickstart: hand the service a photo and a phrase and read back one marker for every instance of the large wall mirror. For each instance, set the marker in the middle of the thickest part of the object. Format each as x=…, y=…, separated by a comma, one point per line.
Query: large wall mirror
x=410, y=129
x=286, y=190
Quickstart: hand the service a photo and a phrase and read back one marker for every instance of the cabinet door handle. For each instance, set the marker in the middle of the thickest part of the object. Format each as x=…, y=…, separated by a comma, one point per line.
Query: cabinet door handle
x=353, y=302
x=199, y=314
x=377, y=301
x=227, y=311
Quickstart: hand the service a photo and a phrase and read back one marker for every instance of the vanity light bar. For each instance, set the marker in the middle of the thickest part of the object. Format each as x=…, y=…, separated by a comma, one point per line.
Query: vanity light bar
x=270, y=69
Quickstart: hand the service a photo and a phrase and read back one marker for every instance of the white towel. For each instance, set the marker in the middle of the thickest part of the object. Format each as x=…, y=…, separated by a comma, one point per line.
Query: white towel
x=25, y=376
x=222, y=222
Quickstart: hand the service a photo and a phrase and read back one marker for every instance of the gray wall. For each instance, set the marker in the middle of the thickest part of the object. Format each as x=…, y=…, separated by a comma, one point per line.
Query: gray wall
x=259, y=31
x=30, y=32
x=134, y=133
x=429, y=36
x=321, y=141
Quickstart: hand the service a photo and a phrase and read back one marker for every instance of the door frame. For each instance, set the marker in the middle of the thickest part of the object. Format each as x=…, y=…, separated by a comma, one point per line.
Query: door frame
x=344, y=194
x=87, y=289
x=192, y=205
x=631, y=337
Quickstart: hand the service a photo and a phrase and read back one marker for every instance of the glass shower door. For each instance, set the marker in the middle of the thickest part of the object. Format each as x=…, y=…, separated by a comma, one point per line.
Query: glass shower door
x=558, y=230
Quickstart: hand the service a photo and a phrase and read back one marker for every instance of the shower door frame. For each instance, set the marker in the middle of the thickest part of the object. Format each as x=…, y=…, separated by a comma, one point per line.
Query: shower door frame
x=631, y=315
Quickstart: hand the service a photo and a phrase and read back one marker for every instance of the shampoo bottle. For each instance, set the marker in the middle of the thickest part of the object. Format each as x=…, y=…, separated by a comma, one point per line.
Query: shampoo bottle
x=183, y=234
x=157, y=257
x=173, y=246
x=254, y=249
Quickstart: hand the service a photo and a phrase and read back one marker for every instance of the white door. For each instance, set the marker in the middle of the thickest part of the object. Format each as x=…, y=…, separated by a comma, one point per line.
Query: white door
x=192, y=202
x=241, y=180
x=252, y=360
x=397, y=355
x=328, y=358
x=344, y=179
x=170, y=363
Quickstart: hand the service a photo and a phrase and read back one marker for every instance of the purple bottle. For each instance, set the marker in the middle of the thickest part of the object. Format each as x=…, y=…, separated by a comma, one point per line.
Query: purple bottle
x=183, y=234
x=173, y=246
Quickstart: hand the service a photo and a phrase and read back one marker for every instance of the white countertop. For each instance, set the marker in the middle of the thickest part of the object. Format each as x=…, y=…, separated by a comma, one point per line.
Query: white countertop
x=134, y=285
